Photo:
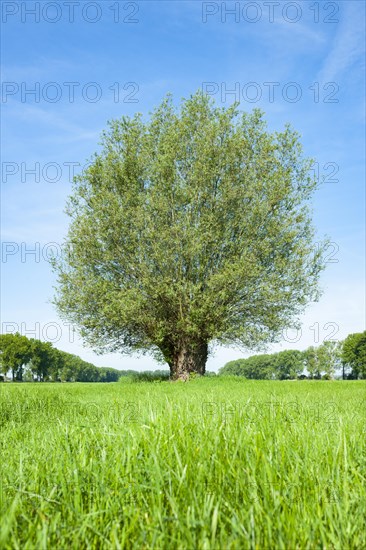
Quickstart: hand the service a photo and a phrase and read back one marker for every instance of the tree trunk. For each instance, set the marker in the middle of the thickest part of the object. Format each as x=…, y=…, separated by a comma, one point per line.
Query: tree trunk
x=189, y=358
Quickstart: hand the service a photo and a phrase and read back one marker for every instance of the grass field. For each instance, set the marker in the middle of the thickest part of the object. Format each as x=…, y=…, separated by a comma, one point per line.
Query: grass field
x=215, y=463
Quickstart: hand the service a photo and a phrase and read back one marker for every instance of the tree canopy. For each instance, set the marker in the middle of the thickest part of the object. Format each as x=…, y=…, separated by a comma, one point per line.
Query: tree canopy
x=15, y=352
x=42, y=362
x=321, y=362
x=189, y=228
x=354, y=353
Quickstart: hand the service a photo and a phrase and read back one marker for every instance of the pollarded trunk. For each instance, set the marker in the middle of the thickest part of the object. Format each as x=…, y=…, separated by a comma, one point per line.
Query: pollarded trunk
x=189, y=358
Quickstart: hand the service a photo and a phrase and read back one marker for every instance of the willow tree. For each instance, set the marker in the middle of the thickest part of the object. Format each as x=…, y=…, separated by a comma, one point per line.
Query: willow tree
x=188, y=229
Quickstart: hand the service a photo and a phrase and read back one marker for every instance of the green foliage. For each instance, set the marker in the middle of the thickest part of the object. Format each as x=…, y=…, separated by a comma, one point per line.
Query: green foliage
x=151, y=376
x=43, y=359
x=41, y=362
x=354, y=354
x=289, y=364
x=15, y=353
x=284, y=365
x=329, y=356
x=258, y=367
x=189, y=228
x=317, y=362
x=312, y=363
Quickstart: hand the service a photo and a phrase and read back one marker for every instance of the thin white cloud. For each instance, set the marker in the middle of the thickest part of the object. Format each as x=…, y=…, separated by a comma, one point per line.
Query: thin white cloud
x=49, y=118
x=349, y=43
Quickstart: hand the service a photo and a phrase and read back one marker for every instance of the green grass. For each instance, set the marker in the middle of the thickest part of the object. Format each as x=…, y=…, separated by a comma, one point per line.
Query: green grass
x=214, y=463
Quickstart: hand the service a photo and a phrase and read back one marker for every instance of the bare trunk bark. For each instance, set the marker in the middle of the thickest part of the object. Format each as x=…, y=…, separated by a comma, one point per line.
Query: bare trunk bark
x=187, y=359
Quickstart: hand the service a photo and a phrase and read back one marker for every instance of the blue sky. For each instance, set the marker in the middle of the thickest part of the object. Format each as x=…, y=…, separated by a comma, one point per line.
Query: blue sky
x=301, y=62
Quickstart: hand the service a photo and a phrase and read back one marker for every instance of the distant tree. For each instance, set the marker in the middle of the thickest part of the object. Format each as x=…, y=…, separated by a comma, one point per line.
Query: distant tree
x=109, y=375
x=260, y=367
x=87, y=372
x=41, y=361
x=312, y=363
x=28, y=374
x=354, y=353
x=329, y=357
x=289, y=364
x=234, y=368
x=15, y=353
x=67, y=371
x=125, y=373
x=56, y=365
x=42, y=356
x=190, y=228
x=256, y=367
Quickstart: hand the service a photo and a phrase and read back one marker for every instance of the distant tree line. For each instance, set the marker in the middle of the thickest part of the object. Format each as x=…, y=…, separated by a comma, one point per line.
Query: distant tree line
x=347, y=358
x=28, y=359
x=33, y=360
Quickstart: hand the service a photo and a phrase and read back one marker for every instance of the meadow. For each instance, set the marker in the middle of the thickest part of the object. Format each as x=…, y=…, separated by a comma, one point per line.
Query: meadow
x=216, y=463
